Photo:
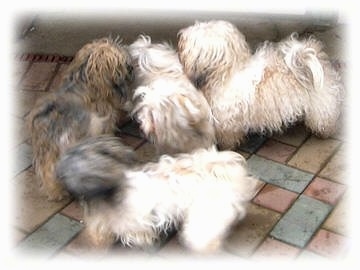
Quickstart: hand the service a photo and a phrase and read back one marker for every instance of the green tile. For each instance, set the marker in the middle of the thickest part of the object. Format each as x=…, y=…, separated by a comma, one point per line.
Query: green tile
x=51, y=236
x=301, y=221
x=279, y=174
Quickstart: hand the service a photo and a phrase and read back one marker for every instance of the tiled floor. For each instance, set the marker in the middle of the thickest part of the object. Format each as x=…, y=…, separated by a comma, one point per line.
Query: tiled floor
x=300, y=211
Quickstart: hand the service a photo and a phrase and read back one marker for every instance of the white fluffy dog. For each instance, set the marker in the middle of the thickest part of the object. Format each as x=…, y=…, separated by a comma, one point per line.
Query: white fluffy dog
x=172, y=113
x=202, y=193
x=262, y=92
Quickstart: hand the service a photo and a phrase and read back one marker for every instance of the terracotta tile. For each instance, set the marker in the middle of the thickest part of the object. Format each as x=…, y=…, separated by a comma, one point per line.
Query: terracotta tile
x=39, y=76
x=31, y=207
x=74, y=210
x=325, y=190
x=58, y=77
x=294, y=136
x=274, y=249
x=336, y=168
x=313, y=154
x=329, y=244
x=307, y=255
x=249, y=233
x=275, y=198
x=276, y=151
x=338, y=220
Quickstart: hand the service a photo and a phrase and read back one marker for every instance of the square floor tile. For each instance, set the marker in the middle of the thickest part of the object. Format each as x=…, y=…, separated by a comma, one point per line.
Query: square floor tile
x=274, y=249
x=278, y=174
x=38, y=76
x=20, y=132
x=31, y=207
x=329, y=244
x=325, y=190
x=313, y=154
x=51, y=236
x=24, y=101
x=74, y=210
x=301, y=221
x=336, y=168
x=250, y=232
x=275, y=198
x=276, y=151
x=22, y=158
x=338, y=220
x=18, y=71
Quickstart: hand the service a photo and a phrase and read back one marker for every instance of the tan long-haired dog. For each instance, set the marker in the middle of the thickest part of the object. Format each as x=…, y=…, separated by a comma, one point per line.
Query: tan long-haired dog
x=172, y=113
x=202, y=194
x=262, y=92
x=89, y=102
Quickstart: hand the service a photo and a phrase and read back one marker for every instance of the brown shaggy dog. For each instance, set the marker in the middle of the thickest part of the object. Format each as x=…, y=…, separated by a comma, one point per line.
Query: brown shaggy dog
x=88, y=103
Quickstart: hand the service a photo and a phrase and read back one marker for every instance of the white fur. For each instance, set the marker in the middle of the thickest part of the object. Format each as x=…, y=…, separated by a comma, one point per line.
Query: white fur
x=203, y=194
x=172, y=113
x=279, y=84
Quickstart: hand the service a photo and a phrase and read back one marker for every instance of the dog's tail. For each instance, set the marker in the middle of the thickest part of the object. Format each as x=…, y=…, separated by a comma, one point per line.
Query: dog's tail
x=303, y=59
x=95, y=168
x=155, y=58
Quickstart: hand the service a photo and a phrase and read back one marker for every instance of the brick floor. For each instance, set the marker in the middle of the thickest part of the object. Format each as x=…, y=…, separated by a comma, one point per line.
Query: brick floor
x=299, y=212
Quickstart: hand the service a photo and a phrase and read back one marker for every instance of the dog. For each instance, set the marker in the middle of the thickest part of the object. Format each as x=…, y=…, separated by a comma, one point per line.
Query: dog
x=202, y=194
x=89, y=102
x=171, y=112
x=280, y=84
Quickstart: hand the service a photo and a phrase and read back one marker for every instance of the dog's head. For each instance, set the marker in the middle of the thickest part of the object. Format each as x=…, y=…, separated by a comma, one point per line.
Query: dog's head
x=210, y=51
x=104, y=66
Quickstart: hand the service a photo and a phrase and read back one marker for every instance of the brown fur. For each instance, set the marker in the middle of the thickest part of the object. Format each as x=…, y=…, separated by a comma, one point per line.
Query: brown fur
x=89, y=102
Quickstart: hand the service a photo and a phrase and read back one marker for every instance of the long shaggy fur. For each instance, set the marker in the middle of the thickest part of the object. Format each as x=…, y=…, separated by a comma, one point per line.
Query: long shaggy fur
x=262, y=92
x=172, y=113
x=88, y=103
x=201, y=193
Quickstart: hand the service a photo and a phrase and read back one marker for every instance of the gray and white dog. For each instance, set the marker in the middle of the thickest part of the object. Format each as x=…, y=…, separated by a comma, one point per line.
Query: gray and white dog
x=135, y=203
